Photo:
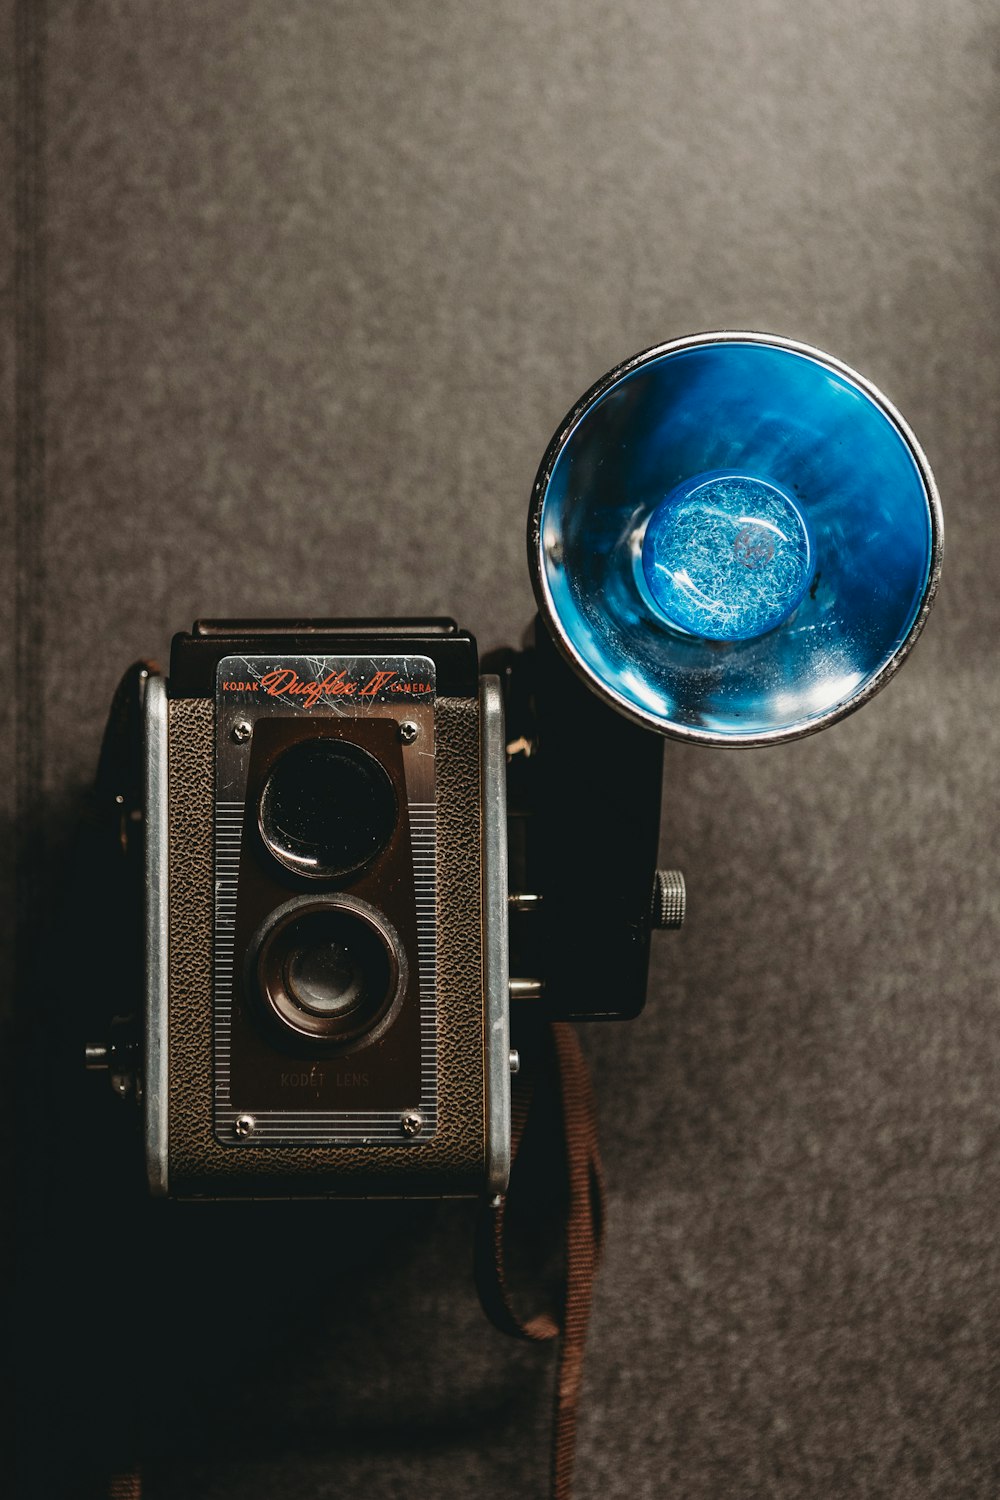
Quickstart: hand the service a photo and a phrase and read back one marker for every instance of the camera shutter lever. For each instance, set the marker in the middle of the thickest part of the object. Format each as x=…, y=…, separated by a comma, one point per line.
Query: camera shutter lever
x=669, y=901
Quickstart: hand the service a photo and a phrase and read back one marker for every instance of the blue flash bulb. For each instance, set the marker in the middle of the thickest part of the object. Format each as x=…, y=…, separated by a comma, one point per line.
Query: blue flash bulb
x=726, y=556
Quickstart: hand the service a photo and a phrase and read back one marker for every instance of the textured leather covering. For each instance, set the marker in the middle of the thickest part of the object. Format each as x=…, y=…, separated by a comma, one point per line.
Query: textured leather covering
x=452, y=1162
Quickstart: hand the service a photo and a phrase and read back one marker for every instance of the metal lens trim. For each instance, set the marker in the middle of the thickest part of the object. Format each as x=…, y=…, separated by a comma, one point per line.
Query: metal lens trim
x=310, y=947
x=496, y=949
x=157, y=934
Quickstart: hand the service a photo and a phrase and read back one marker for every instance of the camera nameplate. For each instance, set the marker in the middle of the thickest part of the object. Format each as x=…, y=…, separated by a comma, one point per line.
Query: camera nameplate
x=359, y=699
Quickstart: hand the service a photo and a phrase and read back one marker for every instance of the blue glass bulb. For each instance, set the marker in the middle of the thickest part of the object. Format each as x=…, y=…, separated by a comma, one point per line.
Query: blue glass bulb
x=726, y=556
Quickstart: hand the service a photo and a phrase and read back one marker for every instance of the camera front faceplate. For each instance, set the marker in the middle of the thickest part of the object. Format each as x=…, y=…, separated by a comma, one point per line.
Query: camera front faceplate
x=325, y=900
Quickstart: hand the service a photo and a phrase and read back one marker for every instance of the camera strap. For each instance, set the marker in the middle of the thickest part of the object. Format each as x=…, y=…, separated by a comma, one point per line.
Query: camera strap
x=558, y=1075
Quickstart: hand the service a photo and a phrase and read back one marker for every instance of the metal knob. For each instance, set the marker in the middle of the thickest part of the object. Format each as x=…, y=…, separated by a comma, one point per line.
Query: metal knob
x=119, y=1057
x=669, y=903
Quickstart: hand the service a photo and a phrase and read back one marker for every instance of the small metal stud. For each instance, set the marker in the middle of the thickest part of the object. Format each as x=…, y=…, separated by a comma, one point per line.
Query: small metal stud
x=408, y=731
x=411, y=1122
x=244, y=1125
x=242, y=730
x=527, y=989
x=515, y=1060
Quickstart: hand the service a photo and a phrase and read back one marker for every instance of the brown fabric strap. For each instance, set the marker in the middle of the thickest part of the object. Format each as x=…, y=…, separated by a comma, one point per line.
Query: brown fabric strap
x=125, y=1486
x=561, y=1064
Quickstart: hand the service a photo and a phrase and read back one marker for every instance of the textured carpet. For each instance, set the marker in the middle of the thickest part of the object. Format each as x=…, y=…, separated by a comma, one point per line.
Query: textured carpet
x=294, y=296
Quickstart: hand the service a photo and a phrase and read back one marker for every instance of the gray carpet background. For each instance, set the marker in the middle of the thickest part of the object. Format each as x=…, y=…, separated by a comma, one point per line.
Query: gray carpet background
x=294, y=297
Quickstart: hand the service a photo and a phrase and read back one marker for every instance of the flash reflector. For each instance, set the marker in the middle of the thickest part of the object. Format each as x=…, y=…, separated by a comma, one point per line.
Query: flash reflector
x=734, y=538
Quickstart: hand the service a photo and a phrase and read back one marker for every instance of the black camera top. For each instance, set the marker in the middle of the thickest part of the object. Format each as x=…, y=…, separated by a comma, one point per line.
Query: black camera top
x=195, y=654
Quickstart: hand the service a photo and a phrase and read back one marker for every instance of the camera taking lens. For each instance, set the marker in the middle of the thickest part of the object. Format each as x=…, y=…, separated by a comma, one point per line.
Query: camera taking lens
x=326, y=979
x=328, y=969
x=327, y=809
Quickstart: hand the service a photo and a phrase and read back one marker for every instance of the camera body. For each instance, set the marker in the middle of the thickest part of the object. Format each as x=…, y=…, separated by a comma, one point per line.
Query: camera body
x=326, y=995
x=349, y=837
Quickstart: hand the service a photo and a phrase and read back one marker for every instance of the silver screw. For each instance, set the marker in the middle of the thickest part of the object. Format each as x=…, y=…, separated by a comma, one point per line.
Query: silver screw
x=515, y=1060
x=244, y=1125
x=242, y=730
x=411, y=1122
x=408, y=731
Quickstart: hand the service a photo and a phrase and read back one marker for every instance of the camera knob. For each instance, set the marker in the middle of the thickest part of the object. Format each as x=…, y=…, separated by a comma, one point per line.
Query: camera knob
x=119, y=1057
x=669, y=903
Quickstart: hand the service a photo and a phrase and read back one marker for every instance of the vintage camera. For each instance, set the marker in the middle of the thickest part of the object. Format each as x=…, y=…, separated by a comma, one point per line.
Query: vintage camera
x=363, y=860
x=329, y=907
x=326, y=1004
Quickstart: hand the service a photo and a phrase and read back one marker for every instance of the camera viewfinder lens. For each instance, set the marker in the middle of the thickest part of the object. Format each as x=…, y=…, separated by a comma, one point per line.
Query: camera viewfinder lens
x=328, y=808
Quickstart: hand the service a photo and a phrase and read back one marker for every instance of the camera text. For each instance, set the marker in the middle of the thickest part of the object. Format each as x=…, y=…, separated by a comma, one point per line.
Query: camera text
x=285, y=682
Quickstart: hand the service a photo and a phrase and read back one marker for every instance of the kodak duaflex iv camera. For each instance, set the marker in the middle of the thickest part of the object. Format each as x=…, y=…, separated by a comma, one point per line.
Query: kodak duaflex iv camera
x=365, y=859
